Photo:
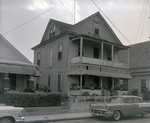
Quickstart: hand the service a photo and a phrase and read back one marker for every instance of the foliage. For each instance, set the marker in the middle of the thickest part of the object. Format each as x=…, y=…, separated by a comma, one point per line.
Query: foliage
x=21, y=99
x=134, y=92
x=44, y=88
x=146, y=95
x=85, y=93
x=29, y=90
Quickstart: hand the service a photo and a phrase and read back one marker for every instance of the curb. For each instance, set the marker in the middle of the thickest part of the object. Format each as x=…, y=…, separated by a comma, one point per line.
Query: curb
x=59, y=119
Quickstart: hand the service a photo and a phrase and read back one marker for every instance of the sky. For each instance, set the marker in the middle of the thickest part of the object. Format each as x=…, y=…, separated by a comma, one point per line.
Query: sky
x=23, y=22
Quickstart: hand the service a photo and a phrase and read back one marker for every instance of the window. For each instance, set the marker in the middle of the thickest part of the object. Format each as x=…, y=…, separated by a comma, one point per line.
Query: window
x=39, y=58
x=143, y=85
x=49, y=82
x=109, y=55
x=136, y=100
x=129, y=100
x=60, y=52
x=125, y=84
x=52, y=31
x=59, y=75
x=50, y=53
x=96, y=52
x=96, y=28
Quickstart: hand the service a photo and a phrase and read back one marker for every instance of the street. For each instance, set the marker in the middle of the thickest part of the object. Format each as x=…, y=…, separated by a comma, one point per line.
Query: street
x=133, y=119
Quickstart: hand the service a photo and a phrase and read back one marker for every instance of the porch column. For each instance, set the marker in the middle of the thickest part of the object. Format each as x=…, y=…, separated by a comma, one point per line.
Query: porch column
x=102, y=47
x=112, y=83
x=30, y=82
x=81, y=48
x=6, y=81
x=112, y=52
x=128, y=59
x=101, y=83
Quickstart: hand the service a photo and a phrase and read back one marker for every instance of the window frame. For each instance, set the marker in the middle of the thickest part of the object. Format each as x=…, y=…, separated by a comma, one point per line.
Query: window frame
x=52, y=31
x=50, y=56
x=39, y=58
x=96, y=28
x=59, y=84
x=60, y=53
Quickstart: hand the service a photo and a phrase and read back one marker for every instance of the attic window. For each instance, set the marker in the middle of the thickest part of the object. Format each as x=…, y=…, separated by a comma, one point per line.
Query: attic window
x=96, y=28
x=52, y=31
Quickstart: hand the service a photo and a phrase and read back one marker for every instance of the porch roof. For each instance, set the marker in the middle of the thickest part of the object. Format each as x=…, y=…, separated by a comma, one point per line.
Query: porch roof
x=19, y=69
x=95, y=73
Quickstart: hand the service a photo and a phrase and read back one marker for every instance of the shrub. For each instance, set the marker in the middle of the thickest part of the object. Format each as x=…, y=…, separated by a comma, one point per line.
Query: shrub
x=21, y=99
x=134, y=92
x=44, y=88
x=29, y=90
x=85, y=93
x=146, y=95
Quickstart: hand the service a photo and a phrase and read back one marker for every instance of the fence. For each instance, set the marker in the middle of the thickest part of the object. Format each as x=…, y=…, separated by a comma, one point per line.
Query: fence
x=91, y=98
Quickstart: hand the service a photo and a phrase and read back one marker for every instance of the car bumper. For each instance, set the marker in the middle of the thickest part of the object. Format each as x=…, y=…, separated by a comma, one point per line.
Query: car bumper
x=20, y=120
x=100, y=113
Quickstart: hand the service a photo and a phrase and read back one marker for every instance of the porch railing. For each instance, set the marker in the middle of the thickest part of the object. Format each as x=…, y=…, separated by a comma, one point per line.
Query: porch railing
x=91, y=98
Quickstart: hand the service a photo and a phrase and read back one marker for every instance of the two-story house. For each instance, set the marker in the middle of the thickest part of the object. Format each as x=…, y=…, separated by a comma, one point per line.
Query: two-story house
x=81, y=57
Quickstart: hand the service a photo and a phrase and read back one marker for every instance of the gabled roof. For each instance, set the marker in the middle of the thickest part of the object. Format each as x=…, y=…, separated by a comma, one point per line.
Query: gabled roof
x=14, y=54
x=139, y=55
x=64, y=27
x=104, y=22
x=60, y=25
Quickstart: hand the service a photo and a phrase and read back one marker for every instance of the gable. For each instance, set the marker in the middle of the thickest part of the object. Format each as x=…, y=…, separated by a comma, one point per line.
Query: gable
x=60, y=27
x=9, y=53
x=87, y=27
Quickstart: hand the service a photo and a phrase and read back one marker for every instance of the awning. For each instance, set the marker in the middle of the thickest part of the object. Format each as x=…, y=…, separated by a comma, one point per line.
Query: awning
x=96, y=73
x=19, y=69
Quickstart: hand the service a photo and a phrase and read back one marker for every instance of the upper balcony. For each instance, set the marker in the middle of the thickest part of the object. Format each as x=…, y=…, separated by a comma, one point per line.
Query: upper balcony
x=94, y=61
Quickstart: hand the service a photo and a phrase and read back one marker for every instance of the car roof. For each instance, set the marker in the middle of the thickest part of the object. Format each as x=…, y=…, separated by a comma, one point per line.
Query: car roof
x=126, y=96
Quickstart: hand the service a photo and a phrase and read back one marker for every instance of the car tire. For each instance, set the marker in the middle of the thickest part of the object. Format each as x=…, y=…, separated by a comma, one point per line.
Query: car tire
x=6, y=120
x=144, y=114
x=117, y=115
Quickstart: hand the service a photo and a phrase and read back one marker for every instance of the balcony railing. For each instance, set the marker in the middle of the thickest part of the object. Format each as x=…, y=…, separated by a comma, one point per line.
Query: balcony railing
x=87, y=60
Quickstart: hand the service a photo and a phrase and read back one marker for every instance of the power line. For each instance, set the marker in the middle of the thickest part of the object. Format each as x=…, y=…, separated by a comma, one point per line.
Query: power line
x=111, y=22
x=67, y=10
x=144, y=22
x=140, y=21
x=31, y=19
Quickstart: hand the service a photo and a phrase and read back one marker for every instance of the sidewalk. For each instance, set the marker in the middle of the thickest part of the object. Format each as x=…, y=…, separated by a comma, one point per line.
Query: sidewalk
x=57, y=117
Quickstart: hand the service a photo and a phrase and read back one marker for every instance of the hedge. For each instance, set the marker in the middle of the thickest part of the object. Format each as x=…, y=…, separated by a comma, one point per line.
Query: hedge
x=22, y=99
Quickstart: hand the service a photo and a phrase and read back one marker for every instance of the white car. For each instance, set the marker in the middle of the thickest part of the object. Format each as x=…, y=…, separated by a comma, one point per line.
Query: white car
x=10, y=114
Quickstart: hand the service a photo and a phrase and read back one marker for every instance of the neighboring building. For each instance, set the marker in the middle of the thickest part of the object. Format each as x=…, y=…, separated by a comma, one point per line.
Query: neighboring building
x=73, y=58
x=139, y=66
x=16, y=71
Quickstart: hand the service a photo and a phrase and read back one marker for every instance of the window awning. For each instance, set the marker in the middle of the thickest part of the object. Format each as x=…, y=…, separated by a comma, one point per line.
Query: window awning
x=104, y=74
x=19, y=69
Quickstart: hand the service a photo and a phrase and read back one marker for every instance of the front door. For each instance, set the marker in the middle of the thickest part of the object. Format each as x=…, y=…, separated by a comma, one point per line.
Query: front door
x=12, y=81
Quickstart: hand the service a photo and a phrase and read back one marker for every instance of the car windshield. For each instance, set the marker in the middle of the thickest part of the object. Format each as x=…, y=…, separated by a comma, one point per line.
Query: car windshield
x=116, y=100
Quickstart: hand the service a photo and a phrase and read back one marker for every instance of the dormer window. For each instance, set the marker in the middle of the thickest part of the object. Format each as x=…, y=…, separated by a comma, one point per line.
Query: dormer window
x=52, y=31
x=96, y=28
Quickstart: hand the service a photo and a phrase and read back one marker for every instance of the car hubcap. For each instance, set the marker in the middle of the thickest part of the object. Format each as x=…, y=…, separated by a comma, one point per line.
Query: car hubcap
x=5, y=121
x=145, y=113
x=116, y=115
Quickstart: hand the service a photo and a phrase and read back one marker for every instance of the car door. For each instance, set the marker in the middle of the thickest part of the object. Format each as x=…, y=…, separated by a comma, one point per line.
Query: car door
x=130, y=107
x=138, y=105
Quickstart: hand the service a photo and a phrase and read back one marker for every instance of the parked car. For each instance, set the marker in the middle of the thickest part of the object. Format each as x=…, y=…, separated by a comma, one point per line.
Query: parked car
x=10, y=114
x=119, y=106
